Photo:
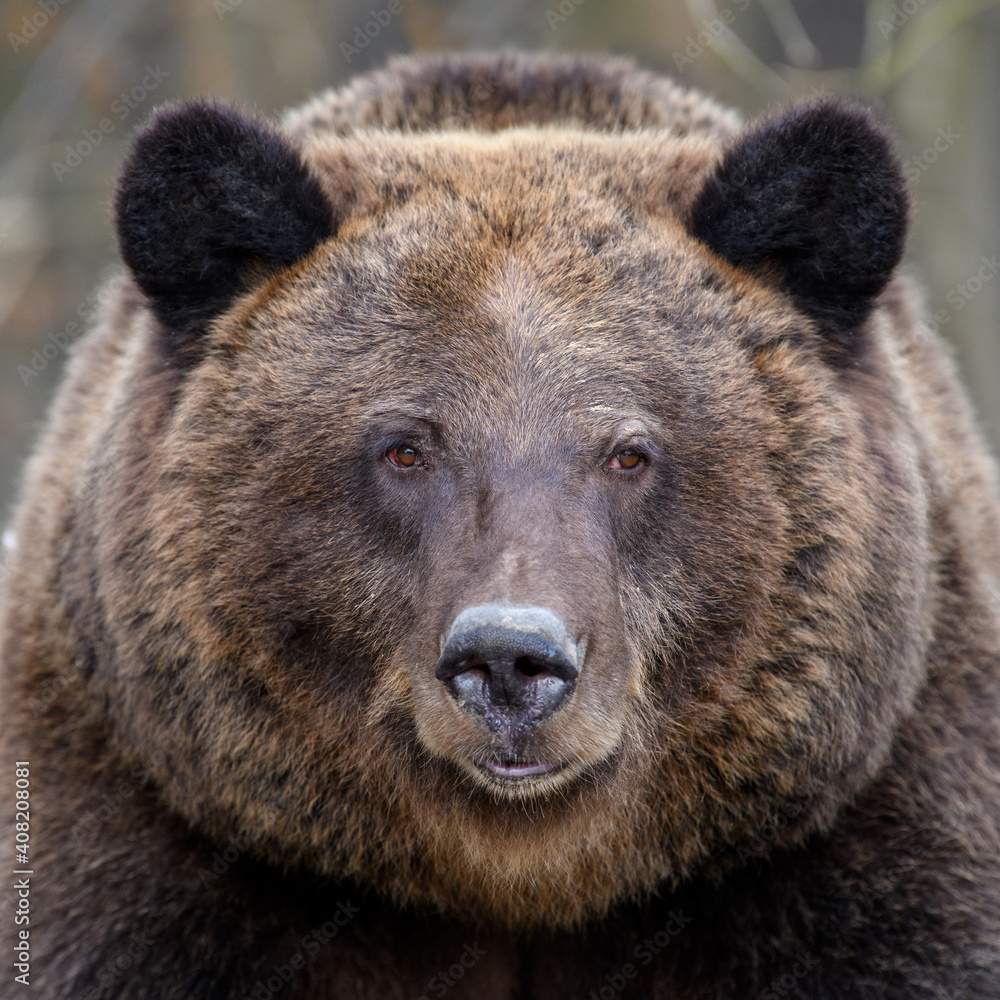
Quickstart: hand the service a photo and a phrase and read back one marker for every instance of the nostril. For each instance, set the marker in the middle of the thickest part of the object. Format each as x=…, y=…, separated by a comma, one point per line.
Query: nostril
x=529, y=666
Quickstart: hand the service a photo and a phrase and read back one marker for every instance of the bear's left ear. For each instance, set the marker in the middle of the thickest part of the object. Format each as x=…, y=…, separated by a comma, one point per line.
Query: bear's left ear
x=817, y=197
x=209, y=198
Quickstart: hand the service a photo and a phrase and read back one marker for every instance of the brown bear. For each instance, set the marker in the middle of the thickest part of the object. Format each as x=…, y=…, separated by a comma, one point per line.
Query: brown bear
x=510, y=535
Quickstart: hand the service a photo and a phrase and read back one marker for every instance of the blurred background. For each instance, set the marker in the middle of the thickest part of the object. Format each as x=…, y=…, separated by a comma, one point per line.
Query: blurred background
x=77, y=76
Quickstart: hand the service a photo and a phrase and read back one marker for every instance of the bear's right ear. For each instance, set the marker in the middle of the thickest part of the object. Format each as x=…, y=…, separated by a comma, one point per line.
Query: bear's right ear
x=206, y=195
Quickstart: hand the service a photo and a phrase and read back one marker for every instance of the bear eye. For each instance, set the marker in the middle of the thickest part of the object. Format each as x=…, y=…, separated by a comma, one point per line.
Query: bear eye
x=626, y=460
x=403, y=456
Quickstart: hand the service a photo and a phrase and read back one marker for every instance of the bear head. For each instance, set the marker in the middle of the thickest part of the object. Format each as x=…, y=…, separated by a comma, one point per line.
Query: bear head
x=512, y=522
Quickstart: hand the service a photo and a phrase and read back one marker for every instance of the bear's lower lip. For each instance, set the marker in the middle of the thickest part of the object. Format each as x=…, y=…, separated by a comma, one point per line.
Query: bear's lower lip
x=510, y=770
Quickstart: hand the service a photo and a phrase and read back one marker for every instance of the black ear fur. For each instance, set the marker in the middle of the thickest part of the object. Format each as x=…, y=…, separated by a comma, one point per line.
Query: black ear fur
x=818, y=194
x=205, y=194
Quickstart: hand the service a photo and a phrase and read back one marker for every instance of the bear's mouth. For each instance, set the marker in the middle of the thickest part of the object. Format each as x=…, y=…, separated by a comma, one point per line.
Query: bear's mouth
x=517, y=770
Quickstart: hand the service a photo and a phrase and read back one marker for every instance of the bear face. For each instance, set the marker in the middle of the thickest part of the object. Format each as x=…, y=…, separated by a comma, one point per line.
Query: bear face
x=512, y=522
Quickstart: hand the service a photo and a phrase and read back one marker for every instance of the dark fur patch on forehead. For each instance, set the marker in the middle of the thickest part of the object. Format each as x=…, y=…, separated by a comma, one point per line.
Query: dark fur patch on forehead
x=488, y=92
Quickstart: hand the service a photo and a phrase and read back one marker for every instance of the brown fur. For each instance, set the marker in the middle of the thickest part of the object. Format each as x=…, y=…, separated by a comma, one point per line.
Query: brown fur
x=218, y=605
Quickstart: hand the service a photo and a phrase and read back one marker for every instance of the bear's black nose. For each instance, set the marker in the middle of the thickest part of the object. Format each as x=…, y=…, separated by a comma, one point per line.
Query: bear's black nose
x=509, y=663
